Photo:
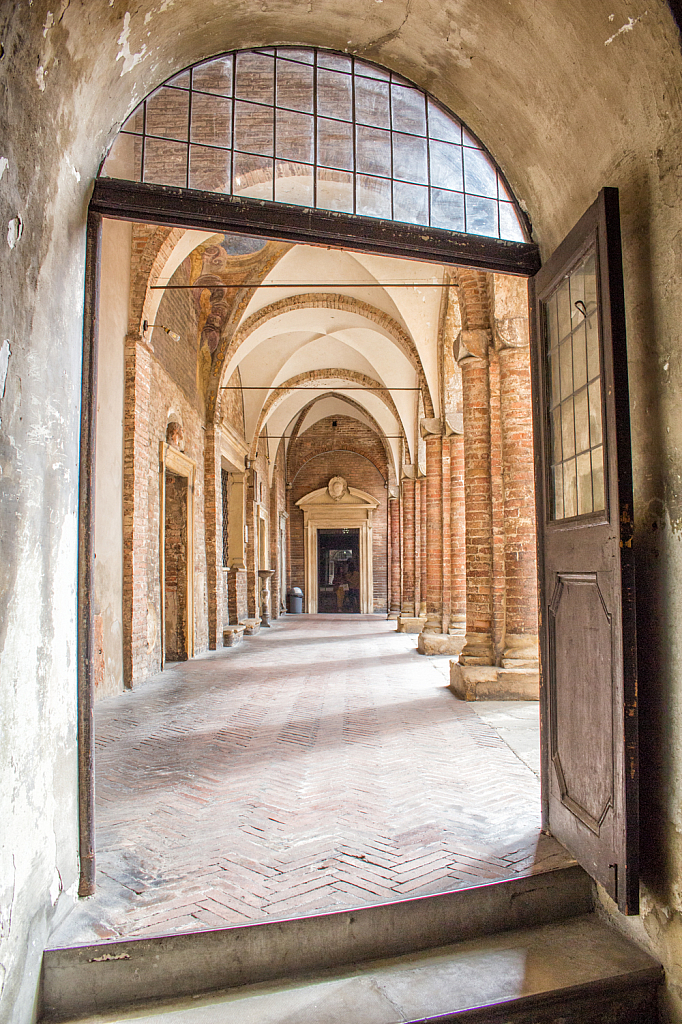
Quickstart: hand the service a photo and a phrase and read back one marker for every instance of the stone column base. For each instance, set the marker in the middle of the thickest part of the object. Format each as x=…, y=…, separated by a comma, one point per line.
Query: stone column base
x=251, y=626
x=488, y=682
x=393, y=615
x=478, y=650
x=439, y=643
x=410, y=624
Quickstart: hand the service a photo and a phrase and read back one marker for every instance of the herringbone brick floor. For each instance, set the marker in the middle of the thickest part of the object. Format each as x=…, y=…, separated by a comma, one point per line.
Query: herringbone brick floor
x=320, y=765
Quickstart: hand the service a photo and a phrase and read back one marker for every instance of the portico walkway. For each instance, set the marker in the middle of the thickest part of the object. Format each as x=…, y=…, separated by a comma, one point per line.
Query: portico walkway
x=320, y=765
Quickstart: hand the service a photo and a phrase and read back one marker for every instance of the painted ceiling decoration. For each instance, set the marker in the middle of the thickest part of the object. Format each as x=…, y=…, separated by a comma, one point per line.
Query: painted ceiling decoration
x=319, y=129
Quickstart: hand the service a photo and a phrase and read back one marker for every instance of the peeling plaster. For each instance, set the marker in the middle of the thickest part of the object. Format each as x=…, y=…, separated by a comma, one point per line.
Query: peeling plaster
x=4, y=164
x=49, y=22
x=5, y=353
x=15, y=229
x=627, y=27
x=40, y=77
x=129, y=59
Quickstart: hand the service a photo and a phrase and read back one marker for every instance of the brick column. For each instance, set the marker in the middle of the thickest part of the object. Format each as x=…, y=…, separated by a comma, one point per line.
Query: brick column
x=457, y=537
x=498, y=510
x=251, y=552
x=136, y=659
x=408, y=505
x=521, y=641
x=213, y=526
x=434, y=533
x=422, y=546
x=394, y=555
x=472, y=356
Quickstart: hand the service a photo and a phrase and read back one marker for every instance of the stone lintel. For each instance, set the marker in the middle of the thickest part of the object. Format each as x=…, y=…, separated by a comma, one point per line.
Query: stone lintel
x=410, y=624
x=439, y=643
x=488, y=682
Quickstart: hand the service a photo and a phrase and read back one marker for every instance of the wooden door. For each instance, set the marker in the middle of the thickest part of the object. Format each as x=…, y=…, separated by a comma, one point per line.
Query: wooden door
x=586, y=571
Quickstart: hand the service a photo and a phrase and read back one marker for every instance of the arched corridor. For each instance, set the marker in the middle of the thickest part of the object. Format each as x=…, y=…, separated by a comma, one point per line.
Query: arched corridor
x=322, y=764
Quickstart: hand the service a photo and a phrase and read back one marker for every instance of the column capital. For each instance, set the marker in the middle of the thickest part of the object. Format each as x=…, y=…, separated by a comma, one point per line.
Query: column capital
x=431, y=427
x=409, y=471
x=511, y=332
x=472, y=345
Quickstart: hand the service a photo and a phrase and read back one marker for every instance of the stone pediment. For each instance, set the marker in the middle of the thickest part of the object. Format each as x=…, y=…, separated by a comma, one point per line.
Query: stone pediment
x=352, y=498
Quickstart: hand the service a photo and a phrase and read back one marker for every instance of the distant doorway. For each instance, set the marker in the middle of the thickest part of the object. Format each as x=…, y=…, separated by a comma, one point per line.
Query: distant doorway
x=338, y=570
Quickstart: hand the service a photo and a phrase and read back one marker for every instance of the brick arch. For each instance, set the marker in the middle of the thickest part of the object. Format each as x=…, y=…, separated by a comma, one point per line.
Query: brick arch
x=283, y=390
x=344, y=303
x=347, y=450
x=295, y=433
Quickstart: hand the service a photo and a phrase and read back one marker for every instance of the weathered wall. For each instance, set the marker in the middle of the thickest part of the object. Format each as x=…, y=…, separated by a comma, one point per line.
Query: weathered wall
x=115, y=286
x=568, y=96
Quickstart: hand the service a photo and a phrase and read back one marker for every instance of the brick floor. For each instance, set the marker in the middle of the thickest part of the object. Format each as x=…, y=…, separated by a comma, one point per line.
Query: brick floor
x=320, y=765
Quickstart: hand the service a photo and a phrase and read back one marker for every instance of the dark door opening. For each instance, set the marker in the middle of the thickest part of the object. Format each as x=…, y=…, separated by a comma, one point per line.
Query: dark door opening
x=338, y=570
x=175, y=577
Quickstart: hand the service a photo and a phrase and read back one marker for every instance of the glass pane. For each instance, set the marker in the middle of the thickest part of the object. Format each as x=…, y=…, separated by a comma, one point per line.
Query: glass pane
x=558, y=488
x=253, y=128
x=469, y=140
x=373, y=196
x=592, y=346
x=565, y=363
x=334, y=95
x=135, y=122
x=209, y=169
x=480, y=177
x=215, y=76
x=590, y=282
x=446, y=166
x=124, y=157
x=334, y=190
x=409, y=110
x=368, y=71
x=554, y=378
x=294, y=86
x=293, y=183
x=168, y=114
x=409, y=158
x=252, y=176
x=371, y=103
x=556, y=435
x=335, y=143
x=599, y=502
x=570, y=490
x=481, y=216
x=582, y=422
x=563, y=309
x=334, y=61
x=373, y=151
x=584, y=467
x=510, y=225
x=447, y=210
x=165, y=163
x=442, y=125
x=294, y=136
x=550, y=314
x=211, y=120
x=567, y=428
x=579, y=357
x=180, y=81
x=410, y=203
x=595, y=413
x=292, y=53
x=255, y=77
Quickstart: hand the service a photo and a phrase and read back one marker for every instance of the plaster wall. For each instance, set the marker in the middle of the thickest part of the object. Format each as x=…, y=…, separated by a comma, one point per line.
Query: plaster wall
x=567, y=96
x=114, y=297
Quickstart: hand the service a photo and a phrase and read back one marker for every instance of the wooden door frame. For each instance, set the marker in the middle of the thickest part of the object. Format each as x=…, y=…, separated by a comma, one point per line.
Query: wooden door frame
x=177, y=207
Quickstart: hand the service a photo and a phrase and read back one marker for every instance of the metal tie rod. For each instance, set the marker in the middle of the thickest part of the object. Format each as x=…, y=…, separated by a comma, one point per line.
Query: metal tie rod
x=303, y=284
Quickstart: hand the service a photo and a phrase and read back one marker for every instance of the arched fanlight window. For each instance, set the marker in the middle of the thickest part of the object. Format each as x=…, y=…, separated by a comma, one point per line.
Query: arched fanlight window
x=316, y=129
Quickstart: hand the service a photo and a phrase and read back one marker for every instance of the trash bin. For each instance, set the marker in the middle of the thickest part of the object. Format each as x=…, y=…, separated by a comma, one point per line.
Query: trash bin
x=296, y=601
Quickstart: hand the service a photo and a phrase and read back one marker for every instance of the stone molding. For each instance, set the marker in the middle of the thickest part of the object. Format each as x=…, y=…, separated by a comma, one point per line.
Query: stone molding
x=511, y=332
x=472, y=345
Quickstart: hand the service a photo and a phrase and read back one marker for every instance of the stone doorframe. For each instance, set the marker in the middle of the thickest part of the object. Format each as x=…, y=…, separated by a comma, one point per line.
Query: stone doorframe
x=175, y=461
x=354, y=510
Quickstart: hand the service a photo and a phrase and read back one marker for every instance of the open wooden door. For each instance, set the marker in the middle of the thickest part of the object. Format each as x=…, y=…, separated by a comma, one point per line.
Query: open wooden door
x=585, y=563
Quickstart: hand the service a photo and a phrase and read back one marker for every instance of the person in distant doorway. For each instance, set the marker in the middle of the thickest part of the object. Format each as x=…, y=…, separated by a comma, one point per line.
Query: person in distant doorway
x=340, y=585
x=353, y=587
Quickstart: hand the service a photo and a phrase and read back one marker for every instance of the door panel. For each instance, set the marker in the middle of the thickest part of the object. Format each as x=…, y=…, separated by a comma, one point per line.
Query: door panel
x=584, y=505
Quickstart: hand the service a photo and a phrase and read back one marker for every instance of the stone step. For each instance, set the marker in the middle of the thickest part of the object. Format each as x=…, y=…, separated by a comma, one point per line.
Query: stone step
x=81, y=979
x=578, y=971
